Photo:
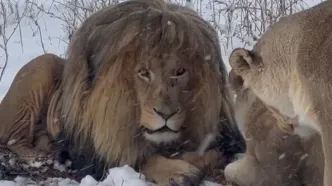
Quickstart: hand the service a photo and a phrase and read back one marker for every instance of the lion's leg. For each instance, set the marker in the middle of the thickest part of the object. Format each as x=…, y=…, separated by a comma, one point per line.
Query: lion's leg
x=166, y=171
x=323, y=120
x=208, y=159
x=43, y=143
x=312, y=104
x=26, y=151
x=313, y=169
x=20, y=136
x=327, y=149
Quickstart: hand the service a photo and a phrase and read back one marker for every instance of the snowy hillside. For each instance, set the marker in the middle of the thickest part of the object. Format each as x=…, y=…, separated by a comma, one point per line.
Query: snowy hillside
x=28, y=40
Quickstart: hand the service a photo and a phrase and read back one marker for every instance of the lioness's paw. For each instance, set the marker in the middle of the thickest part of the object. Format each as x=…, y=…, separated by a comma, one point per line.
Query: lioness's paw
x=244, y=171
x=171, y=172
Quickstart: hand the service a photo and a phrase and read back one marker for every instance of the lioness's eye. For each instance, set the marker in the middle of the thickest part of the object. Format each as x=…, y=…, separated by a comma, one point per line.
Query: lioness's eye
x=144, y=73
x=180, y=71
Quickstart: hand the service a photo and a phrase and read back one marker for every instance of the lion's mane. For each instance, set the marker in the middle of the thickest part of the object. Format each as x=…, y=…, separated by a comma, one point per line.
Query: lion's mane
x=98, y=99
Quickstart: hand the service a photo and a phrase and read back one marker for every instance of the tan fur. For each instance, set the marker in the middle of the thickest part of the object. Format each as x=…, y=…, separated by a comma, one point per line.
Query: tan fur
x=22, y=127
x=273, y=157
x=107, y=99
x=208, y=159
x=289, y=69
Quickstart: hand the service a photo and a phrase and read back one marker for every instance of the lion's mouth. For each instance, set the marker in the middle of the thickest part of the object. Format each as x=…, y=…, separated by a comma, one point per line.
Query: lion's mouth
x=161, y=130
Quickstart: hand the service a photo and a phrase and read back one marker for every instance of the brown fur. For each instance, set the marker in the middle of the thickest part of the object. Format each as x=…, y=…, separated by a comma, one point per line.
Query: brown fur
x=105, y=99
x=22, y=127
x=104, y=104
x=290, y=70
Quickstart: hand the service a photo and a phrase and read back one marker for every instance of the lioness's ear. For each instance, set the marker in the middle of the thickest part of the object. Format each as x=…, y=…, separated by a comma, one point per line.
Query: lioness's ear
x=242, y=60
x=235, y=81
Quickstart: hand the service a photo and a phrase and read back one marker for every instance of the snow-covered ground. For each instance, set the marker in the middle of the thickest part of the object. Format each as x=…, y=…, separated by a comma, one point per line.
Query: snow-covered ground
x=54, y=41
x=119, y=176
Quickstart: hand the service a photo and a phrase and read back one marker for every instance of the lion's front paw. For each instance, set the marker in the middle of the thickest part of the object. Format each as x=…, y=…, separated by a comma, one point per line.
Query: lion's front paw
x=165, y=171
x=208, y=159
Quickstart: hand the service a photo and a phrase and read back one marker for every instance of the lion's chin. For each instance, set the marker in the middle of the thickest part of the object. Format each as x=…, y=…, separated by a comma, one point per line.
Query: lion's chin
x=162, y=137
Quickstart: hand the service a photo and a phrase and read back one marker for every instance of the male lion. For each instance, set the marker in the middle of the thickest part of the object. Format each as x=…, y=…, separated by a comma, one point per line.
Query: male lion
x=141, y=77
x=290, y=70
x=273, y=156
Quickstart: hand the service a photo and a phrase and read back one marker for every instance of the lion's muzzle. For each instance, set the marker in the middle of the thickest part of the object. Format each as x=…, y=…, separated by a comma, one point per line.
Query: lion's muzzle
x=160, y=126
x=165, y=115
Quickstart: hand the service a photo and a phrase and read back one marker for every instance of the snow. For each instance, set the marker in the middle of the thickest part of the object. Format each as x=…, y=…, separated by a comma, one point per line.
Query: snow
x=118, y=176
x=282, y=156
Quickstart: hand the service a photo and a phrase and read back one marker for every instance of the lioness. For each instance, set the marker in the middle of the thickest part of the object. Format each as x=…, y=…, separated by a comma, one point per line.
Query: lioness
x=290, y=70
x=274, y=156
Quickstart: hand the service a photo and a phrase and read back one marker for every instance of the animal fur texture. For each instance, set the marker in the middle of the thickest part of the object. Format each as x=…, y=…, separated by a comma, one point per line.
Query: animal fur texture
x=289, y=69
x=140, y=77
x=274, y=156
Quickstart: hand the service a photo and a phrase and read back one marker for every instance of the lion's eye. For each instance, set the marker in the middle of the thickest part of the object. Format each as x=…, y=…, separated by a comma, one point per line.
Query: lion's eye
x=180, y=71
x=144, y=74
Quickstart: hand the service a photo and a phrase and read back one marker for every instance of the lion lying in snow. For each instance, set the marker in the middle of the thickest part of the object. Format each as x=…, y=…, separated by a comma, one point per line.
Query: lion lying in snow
x=134, y=84
x=22, y=110
x=274, y=157
x=290, y=70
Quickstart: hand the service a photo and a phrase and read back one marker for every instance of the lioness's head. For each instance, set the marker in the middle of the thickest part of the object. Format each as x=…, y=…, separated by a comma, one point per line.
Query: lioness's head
x=162, y=86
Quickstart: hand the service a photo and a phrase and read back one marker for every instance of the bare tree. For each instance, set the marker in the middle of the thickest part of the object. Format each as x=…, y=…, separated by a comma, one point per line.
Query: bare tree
x=10, y=17
x=238, y=22
x=246, y=20
x=73, y=12
x=33, y=14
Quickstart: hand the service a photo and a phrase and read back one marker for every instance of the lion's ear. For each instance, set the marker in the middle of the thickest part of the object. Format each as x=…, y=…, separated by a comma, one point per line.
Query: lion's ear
x=235, y=81
x=242, y=61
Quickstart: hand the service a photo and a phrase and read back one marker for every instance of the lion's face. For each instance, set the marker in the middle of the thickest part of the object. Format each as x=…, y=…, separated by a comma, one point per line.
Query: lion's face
x=161, y=84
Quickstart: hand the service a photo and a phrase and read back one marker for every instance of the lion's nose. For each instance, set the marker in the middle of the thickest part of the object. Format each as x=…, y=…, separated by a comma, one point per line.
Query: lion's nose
x=165, y=115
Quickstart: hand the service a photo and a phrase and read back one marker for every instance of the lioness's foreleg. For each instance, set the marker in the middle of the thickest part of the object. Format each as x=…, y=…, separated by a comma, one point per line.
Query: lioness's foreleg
x=246, y=171
x=326, y=136
x=312, y=105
